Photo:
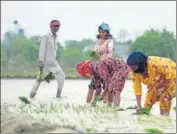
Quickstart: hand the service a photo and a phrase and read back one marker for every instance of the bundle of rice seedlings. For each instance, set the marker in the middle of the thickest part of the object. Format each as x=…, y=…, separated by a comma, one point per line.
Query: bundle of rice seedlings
x=93, y=55
x=24, y=100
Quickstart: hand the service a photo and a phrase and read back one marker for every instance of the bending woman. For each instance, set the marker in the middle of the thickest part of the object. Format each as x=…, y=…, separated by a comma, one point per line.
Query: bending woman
x=159, y=74
x=113, y=71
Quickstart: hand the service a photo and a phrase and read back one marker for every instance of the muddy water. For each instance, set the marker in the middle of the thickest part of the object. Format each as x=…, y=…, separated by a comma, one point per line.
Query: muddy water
x=75, y=92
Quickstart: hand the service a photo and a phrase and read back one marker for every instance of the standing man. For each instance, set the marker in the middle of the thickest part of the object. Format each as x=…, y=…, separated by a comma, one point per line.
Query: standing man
x=47, y=59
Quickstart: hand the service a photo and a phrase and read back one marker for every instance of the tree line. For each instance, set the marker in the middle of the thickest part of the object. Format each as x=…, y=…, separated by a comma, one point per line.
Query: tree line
x=19, y=54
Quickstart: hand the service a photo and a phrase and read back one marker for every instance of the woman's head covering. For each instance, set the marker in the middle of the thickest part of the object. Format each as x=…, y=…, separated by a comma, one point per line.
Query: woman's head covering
x=84, y=68
x=138, y=59
x=105, y=28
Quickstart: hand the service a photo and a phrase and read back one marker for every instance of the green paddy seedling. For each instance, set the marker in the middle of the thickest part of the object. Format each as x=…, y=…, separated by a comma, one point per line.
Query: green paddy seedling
x=24, y=99
x=145, y=111
x=132, y=107
x=153, y=131
x=92, y=54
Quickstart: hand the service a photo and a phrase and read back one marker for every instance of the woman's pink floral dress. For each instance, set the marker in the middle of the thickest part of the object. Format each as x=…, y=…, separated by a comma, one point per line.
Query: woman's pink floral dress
x=113, y=71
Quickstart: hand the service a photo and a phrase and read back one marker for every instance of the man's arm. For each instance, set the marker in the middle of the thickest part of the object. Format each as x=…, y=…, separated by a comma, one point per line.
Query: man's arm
x=42, y=49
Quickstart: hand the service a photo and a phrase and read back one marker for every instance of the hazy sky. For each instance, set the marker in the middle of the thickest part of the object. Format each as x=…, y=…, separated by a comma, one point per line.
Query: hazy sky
x=81, y=19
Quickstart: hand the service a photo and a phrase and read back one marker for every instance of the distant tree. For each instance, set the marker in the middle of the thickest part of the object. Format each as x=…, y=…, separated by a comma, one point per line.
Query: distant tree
x=156, y=43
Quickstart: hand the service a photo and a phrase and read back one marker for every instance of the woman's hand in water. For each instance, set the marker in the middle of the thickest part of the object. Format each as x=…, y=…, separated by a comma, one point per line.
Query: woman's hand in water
x=90, y=95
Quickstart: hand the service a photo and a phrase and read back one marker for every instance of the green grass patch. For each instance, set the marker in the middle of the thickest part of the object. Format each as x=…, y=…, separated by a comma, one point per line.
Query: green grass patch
x=153, y=131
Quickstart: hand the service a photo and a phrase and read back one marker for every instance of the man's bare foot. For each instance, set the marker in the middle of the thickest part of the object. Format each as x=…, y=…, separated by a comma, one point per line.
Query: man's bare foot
x=32, y=95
